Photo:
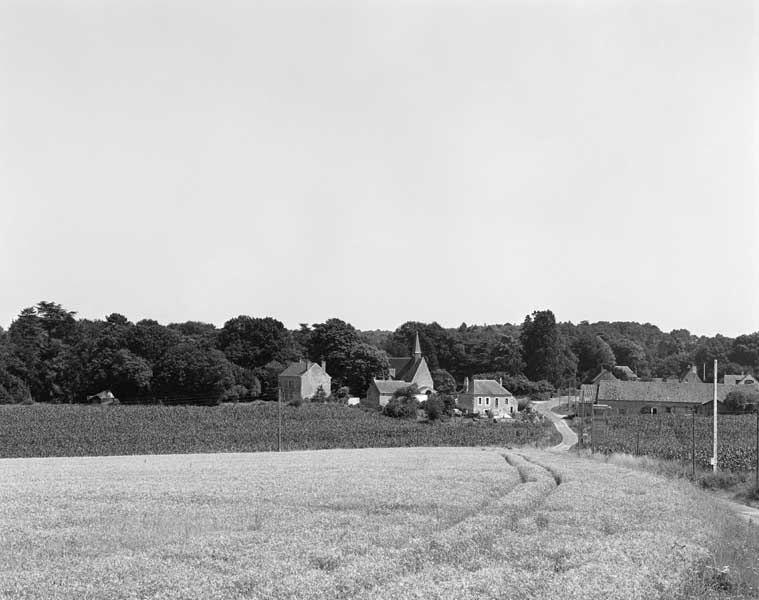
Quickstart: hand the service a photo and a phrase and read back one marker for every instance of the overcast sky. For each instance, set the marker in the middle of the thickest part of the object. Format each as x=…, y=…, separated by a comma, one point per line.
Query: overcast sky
x=382, y=161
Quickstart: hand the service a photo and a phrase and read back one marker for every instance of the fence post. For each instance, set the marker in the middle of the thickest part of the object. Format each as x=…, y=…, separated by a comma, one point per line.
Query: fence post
x=693, y=441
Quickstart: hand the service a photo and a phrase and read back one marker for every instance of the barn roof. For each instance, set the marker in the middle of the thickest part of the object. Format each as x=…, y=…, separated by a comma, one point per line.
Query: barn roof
x=387, y=386
x=655, y=391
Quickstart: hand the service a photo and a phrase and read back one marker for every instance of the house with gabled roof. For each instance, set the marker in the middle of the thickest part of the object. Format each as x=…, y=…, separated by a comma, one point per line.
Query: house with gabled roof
x=487, y=396
x=741, y=379
x=403, y=372
x=301, y=380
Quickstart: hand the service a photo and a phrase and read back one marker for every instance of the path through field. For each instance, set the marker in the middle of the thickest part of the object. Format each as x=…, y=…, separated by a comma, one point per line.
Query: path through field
x=569, y=439
x=457, y=523
x=568, y=436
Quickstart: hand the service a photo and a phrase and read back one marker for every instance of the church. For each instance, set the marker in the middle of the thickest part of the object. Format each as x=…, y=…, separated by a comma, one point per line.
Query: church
x=404, y=371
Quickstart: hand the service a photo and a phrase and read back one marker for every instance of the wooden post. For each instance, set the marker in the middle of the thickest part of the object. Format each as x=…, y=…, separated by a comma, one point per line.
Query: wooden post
x=693, y=441
x=279, y=420
x=714, y=456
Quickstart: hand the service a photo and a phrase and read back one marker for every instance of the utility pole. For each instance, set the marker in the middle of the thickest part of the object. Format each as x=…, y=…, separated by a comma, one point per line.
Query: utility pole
x=714, y=455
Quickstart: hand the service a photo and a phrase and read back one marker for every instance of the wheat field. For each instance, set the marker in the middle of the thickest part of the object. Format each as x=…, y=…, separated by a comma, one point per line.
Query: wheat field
x=370, y=523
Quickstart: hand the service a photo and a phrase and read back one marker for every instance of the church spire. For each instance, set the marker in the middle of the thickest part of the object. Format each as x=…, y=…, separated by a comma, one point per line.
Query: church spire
x=417, y=346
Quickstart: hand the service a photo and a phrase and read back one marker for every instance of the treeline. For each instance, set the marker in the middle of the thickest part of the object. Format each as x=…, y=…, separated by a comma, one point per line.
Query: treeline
x=48, y=355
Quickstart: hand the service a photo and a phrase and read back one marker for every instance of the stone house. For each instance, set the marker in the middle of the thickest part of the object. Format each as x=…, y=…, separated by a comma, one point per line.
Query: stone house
x=300, y=381
x=404, y=371
x=487, y=395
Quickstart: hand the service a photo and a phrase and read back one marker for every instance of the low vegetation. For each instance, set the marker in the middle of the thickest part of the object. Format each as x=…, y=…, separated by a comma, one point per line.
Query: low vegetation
x=670, y=437
x=368, y=524
x=75, y=430
x=732, y=571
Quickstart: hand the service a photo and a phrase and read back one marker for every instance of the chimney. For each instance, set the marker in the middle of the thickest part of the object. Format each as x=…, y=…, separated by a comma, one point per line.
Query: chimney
x=324, y=365
x=466, y=384
x=500, y=381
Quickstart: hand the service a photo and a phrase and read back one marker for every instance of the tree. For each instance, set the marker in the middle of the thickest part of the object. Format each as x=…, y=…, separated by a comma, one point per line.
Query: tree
x=507, y=356
x=151, y=340
x=335, y=341
x=268, y=375
x=434, y=408
x=40, y=339
x=403, y=404
x=542, y=349
x=443, y=381
x=364, y=363
x=710, y=349
x=742, y=400
x=204, y=332
x=189, y=373
x=253, y=342
x=320, y=395
x=592, y=352
x=745, y=350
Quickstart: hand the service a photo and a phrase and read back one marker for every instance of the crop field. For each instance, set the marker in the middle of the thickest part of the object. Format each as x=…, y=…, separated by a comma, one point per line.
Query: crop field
x=75, y=430
x=458, y=523
x=670, y=437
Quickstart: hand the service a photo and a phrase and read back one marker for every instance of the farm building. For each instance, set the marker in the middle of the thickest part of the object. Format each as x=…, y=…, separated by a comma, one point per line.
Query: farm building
x=654, y=397
x=403, y=372
x=740, y=379
x=300, y=381
x=483, y=395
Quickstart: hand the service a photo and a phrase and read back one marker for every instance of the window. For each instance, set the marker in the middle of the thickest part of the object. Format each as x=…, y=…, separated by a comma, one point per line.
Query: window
x=496, y=402
x=479, y=399
x=487, y=401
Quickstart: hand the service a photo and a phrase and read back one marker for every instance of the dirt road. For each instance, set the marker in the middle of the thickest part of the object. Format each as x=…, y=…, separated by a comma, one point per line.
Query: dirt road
x=568, y=437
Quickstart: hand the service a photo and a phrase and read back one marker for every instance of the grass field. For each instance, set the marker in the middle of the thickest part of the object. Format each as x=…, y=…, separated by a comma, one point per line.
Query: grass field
x=375, y=523
x=75, y=430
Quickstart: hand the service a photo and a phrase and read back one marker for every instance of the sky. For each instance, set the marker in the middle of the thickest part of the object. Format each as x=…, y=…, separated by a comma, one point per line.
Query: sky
x=382, y=161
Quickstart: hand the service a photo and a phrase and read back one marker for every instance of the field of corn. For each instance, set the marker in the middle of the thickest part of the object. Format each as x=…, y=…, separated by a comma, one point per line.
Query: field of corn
x=369, y=524
x=671, y=437
x=75, y=430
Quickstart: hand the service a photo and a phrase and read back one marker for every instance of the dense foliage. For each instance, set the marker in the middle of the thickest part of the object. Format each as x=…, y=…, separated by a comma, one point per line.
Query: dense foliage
x=670, y=437
x=75, y=430
x=48, y=355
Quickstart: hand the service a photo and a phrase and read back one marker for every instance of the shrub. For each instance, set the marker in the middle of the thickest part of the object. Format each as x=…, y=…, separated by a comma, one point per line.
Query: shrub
x=718, y=480
x=320, y=395
x=742, y=400
x=403, y=404
x=434, y=408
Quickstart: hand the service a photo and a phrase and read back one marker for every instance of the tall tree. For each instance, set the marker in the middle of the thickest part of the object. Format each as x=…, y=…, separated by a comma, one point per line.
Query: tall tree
x=333, y=341
x=188, y=372
x=745, y=350
x=252, y=342
x=365, y=362
x=542, y=349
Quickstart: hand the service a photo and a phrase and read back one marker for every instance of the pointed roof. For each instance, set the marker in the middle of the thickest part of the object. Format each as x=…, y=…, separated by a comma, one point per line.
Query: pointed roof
x=691, y=376
x=417, y=346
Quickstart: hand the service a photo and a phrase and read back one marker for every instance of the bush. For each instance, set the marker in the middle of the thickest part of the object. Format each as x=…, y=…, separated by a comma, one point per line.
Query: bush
x=320, y=395
x=403, y=404
x=718, y=480
x=742, y=400
x=434, y=408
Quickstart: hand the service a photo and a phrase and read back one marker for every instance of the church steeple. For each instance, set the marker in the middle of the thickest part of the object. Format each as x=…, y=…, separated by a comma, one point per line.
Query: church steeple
x=417, y=346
